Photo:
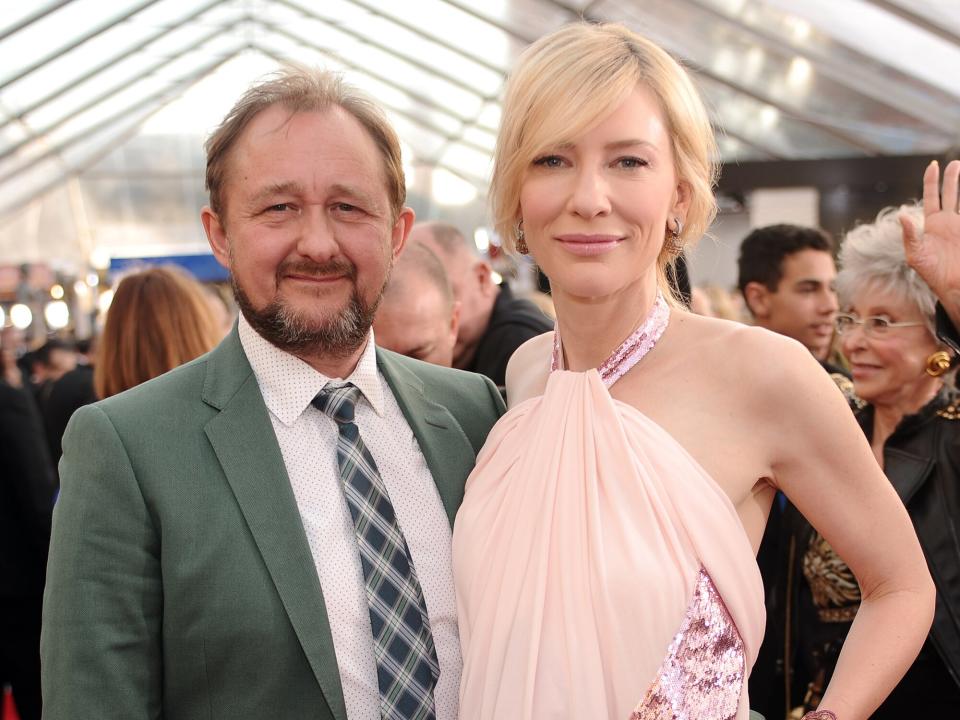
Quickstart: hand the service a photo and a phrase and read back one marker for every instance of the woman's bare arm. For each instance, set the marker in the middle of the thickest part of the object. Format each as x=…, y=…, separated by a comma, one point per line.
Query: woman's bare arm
x=823, y=463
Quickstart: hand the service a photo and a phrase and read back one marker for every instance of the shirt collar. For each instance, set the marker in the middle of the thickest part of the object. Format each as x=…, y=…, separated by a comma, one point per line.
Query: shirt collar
x=288, y=384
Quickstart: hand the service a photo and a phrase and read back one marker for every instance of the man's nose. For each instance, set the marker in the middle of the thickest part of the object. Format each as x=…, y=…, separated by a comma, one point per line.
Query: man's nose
x=828, y=301
x=590, y=195
x=317, y=239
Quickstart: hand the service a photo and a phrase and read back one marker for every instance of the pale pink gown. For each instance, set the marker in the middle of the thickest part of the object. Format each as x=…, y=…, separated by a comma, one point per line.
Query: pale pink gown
x=600, y=572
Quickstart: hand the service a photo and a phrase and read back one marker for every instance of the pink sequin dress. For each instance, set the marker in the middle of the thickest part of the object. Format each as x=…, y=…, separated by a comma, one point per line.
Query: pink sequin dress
x=600, y=572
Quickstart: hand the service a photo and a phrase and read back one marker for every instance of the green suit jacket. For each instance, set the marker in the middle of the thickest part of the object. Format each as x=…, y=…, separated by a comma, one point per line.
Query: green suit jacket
x=180, y=583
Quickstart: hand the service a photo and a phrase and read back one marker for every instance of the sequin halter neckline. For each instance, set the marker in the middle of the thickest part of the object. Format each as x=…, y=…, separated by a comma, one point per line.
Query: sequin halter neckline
x=631, y=350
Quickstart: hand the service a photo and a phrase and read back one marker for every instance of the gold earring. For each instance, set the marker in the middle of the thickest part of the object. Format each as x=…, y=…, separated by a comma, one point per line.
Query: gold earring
x=521, y=241
x=938, y=363
x=674, y=242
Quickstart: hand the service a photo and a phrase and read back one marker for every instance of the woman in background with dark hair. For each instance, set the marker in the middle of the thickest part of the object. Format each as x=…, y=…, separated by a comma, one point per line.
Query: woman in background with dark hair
x=159, y=318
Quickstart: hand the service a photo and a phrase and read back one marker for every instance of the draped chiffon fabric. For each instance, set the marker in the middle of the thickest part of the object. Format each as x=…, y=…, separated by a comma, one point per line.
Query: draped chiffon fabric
x=588, y=545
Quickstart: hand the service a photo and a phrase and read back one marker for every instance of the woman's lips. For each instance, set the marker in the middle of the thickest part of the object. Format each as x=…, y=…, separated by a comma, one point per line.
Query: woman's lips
x=589, y=245
x=859, y=370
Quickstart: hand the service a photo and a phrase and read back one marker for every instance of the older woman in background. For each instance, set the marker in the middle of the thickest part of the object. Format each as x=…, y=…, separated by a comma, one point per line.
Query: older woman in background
x=159, y=318
x=912, y=421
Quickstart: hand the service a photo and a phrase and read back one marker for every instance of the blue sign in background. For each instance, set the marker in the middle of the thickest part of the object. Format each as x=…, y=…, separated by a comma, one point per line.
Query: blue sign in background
x=203, y=267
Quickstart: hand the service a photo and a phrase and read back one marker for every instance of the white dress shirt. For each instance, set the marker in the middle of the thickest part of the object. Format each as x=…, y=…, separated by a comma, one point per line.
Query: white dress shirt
x=308, y=442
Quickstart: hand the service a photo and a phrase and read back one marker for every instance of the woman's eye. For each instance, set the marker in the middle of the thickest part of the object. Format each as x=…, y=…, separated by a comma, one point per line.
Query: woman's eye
x=630, y=163
x=551, y=161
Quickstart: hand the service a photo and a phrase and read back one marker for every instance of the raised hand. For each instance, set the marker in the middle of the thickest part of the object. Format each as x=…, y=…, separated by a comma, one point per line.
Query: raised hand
x=935, y=254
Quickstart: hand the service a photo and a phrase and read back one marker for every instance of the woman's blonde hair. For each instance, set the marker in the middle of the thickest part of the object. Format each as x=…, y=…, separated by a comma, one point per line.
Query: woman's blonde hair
x=159, y=318
x=569, y=81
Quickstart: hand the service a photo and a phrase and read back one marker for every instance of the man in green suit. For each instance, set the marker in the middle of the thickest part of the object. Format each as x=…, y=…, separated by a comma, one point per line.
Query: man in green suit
x=265, y=531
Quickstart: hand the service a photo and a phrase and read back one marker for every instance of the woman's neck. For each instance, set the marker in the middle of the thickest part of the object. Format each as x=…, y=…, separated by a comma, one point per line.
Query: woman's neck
x=592, y=328
x=888, y=415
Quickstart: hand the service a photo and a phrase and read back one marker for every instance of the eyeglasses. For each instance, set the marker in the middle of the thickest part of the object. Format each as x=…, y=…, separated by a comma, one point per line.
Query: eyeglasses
x=872, y=326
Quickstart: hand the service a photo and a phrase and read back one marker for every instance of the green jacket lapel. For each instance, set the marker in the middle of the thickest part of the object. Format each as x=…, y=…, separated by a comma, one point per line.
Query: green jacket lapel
x=443, y=443
x=242, y=437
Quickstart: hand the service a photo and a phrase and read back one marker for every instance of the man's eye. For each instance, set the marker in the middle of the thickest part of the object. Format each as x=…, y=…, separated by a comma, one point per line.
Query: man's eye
x=279, y=207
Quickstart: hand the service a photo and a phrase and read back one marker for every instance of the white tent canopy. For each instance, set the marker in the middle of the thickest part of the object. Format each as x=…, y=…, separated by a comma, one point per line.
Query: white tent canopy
x=104, y=106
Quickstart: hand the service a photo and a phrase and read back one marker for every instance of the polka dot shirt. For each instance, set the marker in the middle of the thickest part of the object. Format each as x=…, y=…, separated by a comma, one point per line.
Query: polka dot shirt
x=308, y=441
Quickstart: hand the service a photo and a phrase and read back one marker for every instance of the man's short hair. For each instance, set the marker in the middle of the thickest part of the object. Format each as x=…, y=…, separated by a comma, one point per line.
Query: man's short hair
x=763, y=251
x=302, y=89
x=417, y=260
x=43, y=353
x=449, y=238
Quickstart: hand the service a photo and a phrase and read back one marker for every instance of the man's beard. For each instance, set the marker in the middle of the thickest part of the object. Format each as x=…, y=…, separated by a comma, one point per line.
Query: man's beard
x=294, y=332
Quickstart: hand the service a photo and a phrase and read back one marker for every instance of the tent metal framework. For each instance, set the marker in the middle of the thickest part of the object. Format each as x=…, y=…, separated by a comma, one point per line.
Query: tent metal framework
x=784, y=79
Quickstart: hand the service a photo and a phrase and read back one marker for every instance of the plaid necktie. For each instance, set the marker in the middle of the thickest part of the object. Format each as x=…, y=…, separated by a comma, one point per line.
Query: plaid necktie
x=407, y=666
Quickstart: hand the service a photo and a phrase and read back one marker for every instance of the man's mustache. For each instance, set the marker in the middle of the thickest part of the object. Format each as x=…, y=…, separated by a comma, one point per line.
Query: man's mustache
x=308, y=268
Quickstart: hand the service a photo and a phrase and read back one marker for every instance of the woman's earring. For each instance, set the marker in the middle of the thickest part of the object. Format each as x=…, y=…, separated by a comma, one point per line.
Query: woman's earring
x=938, y=363
x=674, y=242
x=521, y=241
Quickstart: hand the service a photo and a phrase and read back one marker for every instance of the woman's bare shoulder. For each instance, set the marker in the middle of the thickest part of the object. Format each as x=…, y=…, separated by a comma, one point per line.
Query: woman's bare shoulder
x=733, y=350
x=528, y=369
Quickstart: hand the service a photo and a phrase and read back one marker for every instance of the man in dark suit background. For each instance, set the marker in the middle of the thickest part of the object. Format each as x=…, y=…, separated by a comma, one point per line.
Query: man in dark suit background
x=72, y=390
x=26, y=502
x=786, y=274
x=493, y=323
x=265, y=531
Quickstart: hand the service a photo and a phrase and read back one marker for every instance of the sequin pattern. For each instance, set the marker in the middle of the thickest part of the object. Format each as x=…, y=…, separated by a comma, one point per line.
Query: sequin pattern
x=631, y=350
x=702, y=676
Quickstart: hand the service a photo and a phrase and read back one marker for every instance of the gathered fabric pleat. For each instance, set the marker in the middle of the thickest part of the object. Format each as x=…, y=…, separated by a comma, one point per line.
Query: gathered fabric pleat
x=577, y=552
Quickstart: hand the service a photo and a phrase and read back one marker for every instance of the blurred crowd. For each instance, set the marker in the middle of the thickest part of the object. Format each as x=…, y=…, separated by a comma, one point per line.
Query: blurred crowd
x=873, y=327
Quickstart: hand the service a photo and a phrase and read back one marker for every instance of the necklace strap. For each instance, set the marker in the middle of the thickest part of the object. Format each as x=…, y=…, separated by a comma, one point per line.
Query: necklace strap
x=631, y=350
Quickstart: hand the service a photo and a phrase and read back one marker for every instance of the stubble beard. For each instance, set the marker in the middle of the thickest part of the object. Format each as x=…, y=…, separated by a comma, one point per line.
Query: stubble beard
x=337, y=336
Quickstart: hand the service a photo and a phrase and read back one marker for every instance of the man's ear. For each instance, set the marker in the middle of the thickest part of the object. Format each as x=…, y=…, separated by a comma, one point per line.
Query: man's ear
x=455, y=319
x=757, y=297
x=216, y=235
x=401, y=230
x=484, y=275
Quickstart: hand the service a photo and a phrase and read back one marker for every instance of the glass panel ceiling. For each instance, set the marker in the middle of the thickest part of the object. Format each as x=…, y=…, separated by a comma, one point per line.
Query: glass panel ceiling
x=81, y=79
x=877, y=33
x=813, y=54
x=935, y=11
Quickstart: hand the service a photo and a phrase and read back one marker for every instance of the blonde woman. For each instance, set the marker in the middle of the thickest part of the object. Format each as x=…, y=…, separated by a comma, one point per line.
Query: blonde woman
x=604, y=551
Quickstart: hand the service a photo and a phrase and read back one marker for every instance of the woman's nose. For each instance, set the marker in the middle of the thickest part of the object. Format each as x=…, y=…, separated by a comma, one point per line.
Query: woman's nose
x=590, y=195
x=853, y=337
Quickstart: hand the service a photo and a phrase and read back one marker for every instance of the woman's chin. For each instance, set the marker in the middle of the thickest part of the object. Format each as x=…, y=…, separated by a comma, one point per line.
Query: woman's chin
x=592, y=284
x=876, y=393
